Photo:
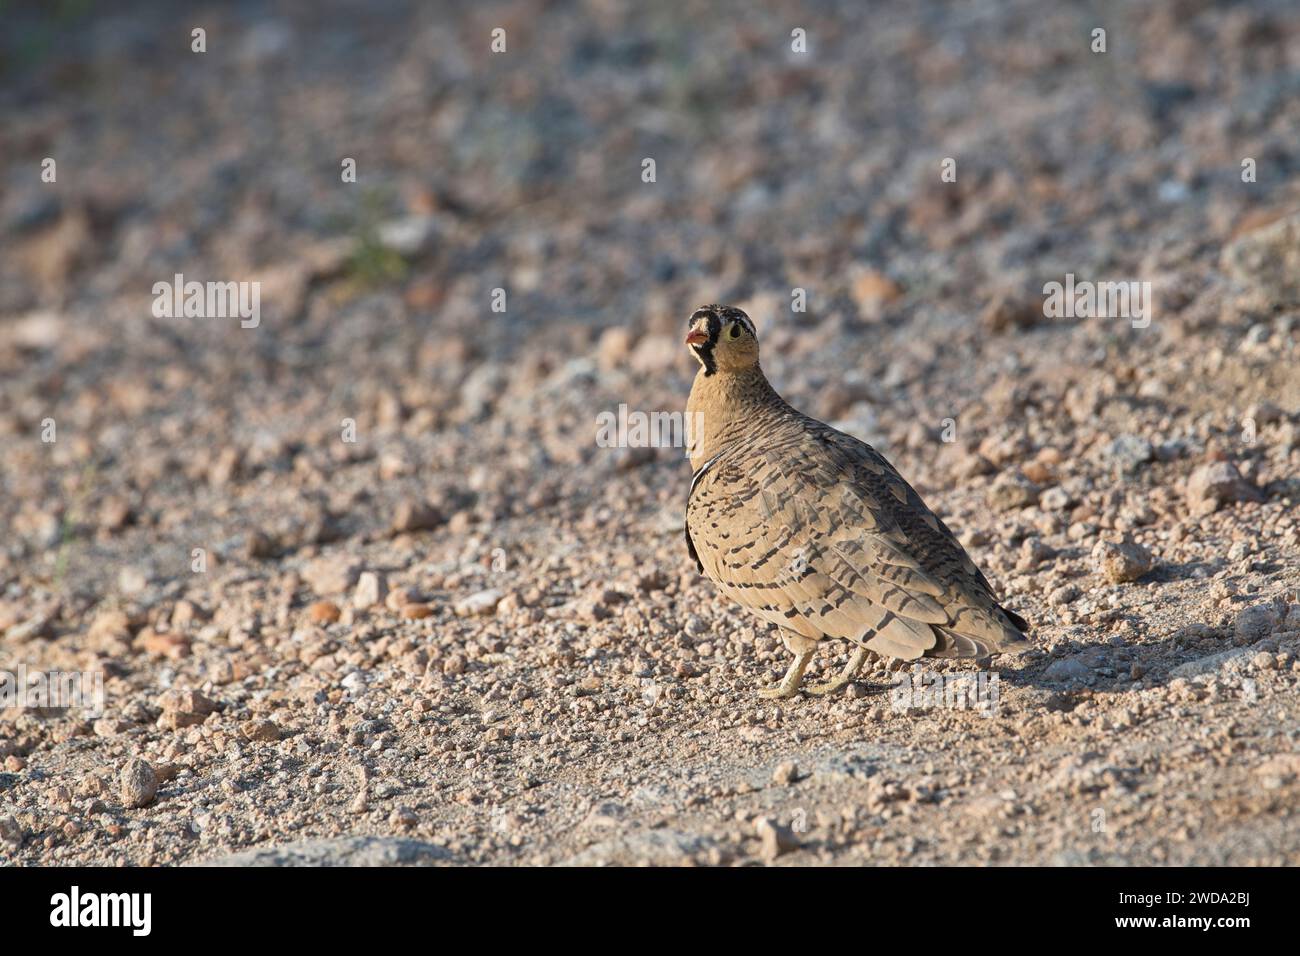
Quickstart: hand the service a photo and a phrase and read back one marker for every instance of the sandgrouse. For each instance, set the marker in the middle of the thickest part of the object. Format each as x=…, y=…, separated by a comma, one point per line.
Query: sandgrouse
x=814, y=531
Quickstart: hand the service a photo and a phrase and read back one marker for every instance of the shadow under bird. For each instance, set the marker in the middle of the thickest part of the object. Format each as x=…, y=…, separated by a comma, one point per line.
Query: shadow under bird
x=814, y=531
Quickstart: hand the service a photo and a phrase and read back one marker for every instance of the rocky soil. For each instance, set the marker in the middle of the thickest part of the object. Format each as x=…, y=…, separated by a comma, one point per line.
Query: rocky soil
x=362, y=585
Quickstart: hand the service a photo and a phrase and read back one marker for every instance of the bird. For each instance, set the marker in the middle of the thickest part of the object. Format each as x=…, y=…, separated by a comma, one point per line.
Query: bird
x=815, y=531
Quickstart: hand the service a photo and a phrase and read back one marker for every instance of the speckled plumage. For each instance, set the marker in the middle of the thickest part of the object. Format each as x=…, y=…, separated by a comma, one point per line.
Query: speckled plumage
x=814, y=531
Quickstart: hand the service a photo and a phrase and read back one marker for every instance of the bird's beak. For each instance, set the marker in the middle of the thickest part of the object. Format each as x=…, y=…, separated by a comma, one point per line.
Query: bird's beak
x=696, y=336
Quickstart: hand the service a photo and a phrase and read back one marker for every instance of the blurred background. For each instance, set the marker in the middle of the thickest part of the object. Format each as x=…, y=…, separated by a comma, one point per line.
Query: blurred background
x=775, y=170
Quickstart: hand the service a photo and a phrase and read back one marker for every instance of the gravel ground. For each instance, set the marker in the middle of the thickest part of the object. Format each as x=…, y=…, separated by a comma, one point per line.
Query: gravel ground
x=363, y=587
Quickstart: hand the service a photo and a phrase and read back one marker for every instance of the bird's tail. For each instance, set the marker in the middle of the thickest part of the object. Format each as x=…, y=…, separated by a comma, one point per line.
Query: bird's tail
x=1021, y=624
x=1009, y=636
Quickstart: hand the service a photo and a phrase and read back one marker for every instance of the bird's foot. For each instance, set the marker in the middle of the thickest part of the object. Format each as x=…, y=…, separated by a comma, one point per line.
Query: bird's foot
x=845, y=676
x=789, y=685
x=830, y=687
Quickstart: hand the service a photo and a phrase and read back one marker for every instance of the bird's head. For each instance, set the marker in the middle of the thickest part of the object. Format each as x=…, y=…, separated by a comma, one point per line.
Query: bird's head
x=722, y=337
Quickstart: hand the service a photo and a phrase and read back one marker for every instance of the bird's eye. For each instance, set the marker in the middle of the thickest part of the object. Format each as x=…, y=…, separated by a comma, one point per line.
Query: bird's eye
x=735, y=330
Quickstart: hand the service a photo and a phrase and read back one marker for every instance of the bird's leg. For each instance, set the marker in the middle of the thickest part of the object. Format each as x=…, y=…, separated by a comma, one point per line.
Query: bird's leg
x=850, y=671
x=802, y=648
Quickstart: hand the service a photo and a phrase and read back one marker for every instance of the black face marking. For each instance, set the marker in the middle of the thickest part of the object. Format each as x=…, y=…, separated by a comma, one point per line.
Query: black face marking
x=705, y=349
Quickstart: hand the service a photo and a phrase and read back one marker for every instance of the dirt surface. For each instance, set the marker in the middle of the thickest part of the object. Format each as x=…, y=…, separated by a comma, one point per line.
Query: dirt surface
x=472, y=634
